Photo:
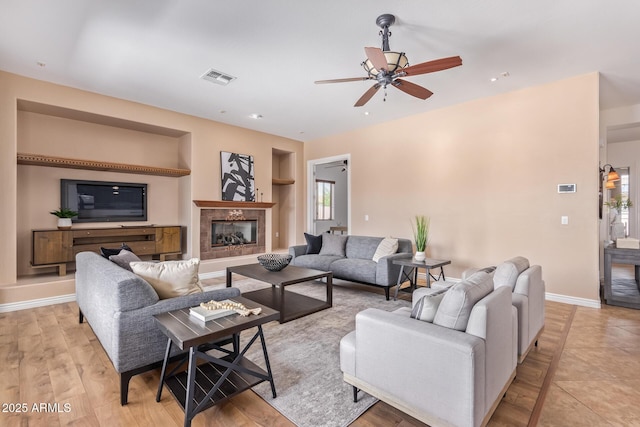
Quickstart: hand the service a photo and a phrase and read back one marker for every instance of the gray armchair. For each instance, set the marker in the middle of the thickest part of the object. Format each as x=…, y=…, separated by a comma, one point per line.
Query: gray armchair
x=440, y=375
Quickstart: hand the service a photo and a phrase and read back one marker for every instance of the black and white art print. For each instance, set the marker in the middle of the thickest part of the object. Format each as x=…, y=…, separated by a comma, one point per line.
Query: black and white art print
x=237, y=177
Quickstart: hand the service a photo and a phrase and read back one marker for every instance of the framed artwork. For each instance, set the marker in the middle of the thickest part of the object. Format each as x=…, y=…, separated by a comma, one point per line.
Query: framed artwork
x=237, y=177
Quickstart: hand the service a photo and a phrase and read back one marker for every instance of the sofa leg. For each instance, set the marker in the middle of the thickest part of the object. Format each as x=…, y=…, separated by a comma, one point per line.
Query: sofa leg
x=124, y=387
x=536, y=344
x=386, y=292
x=80, y=316
x=355, y=394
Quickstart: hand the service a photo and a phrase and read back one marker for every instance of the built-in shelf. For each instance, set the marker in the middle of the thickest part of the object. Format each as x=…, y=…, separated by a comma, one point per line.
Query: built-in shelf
x=64, y=162
x=232, y=204
x=282, y=181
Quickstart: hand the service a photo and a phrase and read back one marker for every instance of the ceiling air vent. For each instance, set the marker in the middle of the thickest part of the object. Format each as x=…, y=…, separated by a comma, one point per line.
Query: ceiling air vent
x=217, y=77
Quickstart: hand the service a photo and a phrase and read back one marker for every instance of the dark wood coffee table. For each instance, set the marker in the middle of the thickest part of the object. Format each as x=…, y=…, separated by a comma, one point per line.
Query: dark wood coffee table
x=291, y=305
x=220, y=378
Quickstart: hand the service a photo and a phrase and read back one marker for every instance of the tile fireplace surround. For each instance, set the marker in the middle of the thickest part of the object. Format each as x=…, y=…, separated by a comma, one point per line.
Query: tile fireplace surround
x=209, y=216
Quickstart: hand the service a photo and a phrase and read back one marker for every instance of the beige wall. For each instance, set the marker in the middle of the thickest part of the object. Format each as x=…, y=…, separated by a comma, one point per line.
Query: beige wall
x=193, y=143
x=486, y=172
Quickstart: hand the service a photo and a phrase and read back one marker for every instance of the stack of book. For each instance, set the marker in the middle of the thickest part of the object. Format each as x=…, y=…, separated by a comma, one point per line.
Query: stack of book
x=205, y=315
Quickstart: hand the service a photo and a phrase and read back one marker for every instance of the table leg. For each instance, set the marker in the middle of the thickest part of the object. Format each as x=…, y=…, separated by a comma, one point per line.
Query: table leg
x=266, y=358
x=229, y=279
x=164, y=370
x=191, y=379
x=330, y=289
x=282, y=303
x=428, y=277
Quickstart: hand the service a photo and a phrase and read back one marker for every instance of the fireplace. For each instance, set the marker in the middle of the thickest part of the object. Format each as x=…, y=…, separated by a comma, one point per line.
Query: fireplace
x=230, y=232
x=233, y=233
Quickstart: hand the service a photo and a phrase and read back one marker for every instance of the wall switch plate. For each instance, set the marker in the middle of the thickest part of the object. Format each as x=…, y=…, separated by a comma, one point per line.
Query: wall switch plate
x=564, y=220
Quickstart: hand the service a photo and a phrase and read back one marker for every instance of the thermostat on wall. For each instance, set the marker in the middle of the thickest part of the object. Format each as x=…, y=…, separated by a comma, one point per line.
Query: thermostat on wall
x=566, y=188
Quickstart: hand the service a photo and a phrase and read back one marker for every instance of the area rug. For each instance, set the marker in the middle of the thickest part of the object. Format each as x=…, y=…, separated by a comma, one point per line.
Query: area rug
x=305, y=356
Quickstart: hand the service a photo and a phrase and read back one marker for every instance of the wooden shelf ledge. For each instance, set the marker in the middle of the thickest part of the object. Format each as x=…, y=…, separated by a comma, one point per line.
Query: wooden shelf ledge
x=69, y=163
x=232, y=204
x=282, y=181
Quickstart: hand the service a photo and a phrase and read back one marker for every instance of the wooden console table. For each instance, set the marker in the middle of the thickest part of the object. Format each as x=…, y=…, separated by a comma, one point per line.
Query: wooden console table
x=55, y=248
x=613, y=255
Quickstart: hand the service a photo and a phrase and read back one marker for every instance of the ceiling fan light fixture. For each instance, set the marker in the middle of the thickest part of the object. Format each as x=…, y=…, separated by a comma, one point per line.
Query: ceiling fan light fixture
x=395, y=61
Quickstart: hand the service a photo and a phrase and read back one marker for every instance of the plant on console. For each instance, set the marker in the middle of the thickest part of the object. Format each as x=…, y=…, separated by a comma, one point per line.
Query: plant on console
x=421, y=236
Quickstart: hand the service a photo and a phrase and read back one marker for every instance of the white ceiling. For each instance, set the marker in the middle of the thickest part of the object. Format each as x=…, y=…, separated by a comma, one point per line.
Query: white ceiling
x=154, y=52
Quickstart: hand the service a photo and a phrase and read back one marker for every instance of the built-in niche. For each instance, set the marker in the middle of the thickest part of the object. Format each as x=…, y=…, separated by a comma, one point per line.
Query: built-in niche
x=284, y=195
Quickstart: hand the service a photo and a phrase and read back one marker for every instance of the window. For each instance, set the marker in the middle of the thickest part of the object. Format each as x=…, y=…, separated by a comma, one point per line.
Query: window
x=324, y=199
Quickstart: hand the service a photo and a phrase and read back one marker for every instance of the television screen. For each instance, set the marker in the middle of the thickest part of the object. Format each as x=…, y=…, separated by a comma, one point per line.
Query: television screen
x=99, y=201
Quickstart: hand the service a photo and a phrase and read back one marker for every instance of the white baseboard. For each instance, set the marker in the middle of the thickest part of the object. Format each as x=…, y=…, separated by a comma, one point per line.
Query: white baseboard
x=573, y=300
x=41, y=302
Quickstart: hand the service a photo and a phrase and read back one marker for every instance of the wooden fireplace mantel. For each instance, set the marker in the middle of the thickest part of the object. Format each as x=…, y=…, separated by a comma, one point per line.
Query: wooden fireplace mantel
x=231, y=204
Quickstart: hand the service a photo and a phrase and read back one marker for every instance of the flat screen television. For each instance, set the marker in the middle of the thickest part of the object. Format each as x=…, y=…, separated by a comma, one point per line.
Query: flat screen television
x=101, y=201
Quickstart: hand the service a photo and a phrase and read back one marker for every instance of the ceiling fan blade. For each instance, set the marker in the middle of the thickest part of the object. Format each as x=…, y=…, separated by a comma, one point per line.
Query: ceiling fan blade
x=412, y=89
x=432, y=66
x=377, y=58
x=367, y=95
x=351, y=79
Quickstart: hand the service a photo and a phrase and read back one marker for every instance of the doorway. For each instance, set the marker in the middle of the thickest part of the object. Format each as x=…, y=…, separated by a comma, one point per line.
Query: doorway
x=329, y=195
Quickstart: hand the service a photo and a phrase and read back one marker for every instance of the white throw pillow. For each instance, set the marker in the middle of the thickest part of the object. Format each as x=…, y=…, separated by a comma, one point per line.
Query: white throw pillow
x=427, y=306
x=388, y=246
x=455, y=309
x=170, y=278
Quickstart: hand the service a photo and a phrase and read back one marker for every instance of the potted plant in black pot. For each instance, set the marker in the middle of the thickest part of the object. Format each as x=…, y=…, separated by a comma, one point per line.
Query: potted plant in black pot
x=64, y=217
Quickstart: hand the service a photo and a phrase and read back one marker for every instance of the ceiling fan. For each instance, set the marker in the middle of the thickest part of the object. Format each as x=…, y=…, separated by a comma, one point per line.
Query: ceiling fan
x=387, y=67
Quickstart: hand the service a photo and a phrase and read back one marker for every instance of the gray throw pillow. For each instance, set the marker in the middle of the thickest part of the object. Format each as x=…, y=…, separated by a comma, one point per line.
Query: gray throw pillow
x=455, y=309
x=427, y=306
x=333, y=244
x=124, y=258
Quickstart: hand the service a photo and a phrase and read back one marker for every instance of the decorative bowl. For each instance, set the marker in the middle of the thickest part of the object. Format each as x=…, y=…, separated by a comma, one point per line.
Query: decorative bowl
x=274, y=262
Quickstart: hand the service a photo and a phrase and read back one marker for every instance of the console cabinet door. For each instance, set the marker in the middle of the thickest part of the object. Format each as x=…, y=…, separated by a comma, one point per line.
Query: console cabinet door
x=168, y=240
x=52, y=247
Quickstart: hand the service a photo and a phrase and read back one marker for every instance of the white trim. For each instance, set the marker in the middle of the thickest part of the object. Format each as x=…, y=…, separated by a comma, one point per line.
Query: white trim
x=573, y=300
x=41, y=302
x=311, y=189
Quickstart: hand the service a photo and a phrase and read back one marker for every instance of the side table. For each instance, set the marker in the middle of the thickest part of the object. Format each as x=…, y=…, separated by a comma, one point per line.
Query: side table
x=220, y=378
x=409, y=271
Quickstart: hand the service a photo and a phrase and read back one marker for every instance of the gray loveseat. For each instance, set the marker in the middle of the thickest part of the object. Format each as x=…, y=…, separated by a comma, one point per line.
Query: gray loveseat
x=355, y=262
x=119, y=306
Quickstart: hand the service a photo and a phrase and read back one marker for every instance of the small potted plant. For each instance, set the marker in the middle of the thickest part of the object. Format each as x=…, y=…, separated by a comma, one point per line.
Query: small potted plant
x=64, y=217
x=421, y=236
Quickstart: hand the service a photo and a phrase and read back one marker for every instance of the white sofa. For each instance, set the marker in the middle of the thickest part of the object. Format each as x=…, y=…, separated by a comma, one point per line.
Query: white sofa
x=528, y=294
x=440, y=375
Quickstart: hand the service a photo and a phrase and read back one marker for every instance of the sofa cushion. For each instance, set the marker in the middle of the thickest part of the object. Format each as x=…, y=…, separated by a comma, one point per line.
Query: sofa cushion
x=388, y=246
x=455, y=308
x=363, y=247
x=170, y=278
x=314, y=243
x=333, y=244
x=359, y=270
x=318, y=262
x=506, y=274
x=124, y=258
x=426, y=307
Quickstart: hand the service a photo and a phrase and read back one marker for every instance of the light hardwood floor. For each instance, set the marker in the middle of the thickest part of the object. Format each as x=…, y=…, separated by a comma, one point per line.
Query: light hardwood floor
x=585, y=371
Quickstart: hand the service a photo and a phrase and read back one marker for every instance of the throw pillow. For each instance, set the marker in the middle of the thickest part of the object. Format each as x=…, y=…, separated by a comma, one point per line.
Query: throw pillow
x=427, y=306
x=124, y=258
x=507, y=273
x=170, y=278
x=455, y=309
x=314, y=243
x=107, y=252
x=333, y=244
x=388, y=246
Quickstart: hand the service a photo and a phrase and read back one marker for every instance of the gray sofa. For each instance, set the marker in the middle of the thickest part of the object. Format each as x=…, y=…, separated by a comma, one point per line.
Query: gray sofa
x=446, y=372
x=119, y=306
x=355, y=262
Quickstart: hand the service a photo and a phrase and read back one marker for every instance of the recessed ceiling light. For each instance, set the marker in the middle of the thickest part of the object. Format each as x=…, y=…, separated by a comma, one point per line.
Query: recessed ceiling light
x=255, y=116
x=41, y=64
x=494, y=79
x=366, y=113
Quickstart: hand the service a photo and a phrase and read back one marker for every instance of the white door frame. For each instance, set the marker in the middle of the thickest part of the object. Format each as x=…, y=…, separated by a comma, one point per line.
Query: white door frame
x=311, y=191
